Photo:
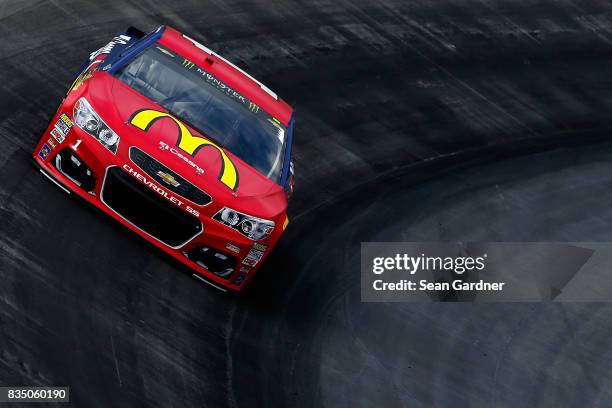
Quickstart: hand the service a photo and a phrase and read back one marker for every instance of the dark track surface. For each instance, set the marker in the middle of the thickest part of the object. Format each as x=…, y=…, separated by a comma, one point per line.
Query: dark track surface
x=381, y=91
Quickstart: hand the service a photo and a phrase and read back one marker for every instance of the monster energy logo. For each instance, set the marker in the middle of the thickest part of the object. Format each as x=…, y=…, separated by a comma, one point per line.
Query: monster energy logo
x=217, y=83
x=188, y=64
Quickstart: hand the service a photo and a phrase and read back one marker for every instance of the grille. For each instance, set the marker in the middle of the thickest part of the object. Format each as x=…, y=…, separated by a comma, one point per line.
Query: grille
x=147, y=210
x=152, y=167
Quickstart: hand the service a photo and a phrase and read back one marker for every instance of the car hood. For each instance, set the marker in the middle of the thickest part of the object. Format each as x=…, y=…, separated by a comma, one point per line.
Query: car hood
x=117, y=103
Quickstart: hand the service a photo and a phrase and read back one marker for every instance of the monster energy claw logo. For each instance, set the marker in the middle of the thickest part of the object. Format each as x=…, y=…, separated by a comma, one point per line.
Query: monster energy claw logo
x=188, y=64
x=188, y=142
x=253, y=107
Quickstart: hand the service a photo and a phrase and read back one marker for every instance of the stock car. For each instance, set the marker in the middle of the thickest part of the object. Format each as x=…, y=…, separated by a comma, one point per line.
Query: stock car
x=180, y=146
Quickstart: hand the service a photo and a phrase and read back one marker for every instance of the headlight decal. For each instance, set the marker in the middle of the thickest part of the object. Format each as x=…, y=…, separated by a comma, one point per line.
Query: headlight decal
x=251, y=227
x=88, y=119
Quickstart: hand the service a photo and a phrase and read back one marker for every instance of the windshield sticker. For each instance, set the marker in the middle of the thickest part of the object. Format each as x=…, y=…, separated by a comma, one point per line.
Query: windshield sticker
x=225, y=89
x=188, y=142
x=215, y=82
x=220, y=85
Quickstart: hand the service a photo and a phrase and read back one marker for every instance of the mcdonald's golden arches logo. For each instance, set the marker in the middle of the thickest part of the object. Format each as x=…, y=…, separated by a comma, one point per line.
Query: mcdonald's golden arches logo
x=188, y=142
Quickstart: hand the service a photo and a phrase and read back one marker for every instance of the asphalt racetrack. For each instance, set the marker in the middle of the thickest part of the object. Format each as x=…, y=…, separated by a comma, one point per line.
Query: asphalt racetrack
x=416, y=120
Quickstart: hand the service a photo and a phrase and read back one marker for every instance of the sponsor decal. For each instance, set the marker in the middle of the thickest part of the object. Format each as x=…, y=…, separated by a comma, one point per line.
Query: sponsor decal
x=226, y=89
x=186, y=63
x=121, y=39
x=62, y=126
x=165, y=147
x=168, y=179
x=215, y=82
x=51, y=143
x=188, y=142
x=84, y=76
x=253, y=107
x=260, y=247
x=244, y=271
x=249, y=261
x=253, y=257
x=254, y=253
x=44, y=151
x=57, y=135
x=64, y=117
x=80, y=81
x=162, y=192
x=232, y=247
x=60, y=130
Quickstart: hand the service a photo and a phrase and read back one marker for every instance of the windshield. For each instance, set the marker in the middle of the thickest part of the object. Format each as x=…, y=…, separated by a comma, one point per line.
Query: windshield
x=210, y=106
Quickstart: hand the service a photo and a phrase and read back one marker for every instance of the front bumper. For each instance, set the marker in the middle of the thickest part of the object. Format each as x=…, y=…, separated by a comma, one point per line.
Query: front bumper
x=203, y=251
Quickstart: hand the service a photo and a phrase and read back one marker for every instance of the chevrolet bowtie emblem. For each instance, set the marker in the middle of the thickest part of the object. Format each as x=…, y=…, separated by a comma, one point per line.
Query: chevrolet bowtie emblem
x=168, y=179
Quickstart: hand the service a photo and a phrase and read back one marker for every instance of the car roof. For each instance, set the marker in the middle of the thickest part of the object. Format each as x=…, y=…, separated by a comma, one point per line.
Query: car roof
x=227, y=72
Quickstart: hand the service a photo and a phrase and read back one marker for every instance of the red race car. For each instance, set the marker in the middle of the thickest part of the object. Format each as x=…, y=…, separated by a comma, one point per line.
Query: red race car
x=180, y=146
